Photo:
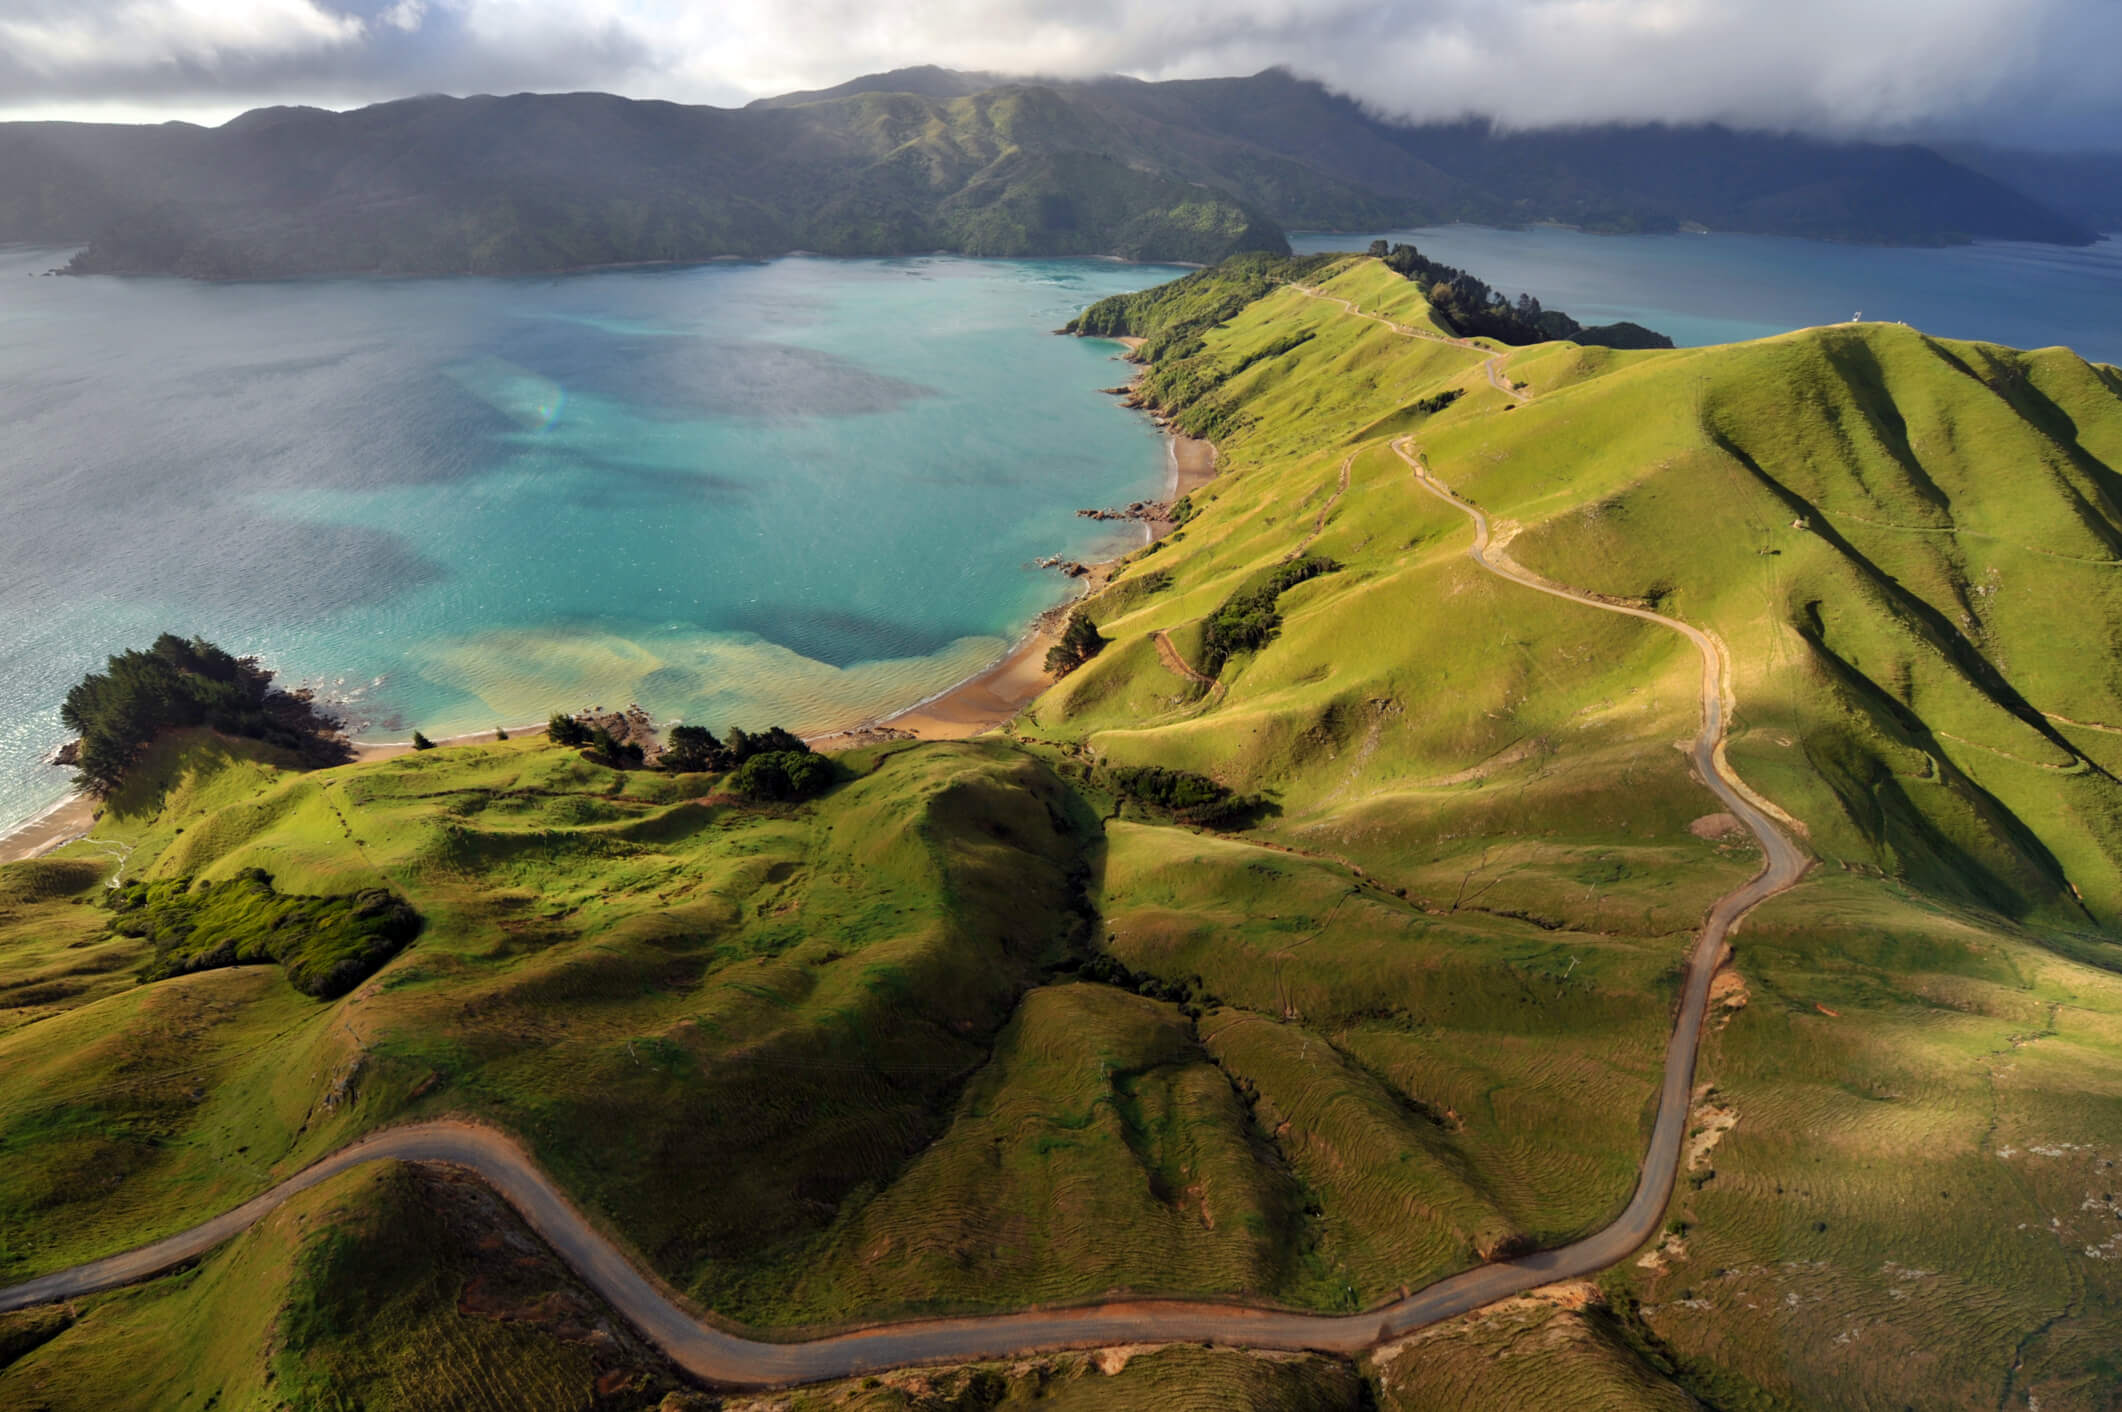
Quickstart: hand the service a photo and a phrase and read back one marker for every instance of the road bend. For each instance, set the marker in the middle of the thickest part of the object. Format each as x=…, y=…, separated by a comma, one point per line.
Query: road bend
x=722, y=1356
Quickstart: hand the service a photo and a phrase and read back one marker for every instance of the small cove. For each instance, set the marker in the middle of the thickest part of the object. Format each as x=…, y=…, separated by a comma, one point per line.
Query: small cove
x=804, y=491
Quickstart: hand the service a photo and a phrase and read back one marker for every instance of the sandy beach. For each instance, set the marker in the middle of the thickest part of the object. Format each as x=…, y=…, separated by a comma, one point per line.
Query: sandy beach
x=990, y=699
x=66, y=821
x=996, y=695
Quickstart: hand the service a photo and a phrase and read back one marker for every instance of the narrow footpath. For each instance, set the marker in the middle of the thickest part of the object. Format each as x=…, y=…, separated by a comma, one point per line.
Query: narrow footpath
x=1493, y=367
x=719, y=1356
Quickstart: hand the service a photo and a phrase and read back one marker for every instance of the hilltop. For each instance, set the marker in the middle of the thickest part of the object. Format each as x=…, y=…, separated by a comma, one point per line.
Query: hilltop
x=938, y=1040
x=915, y=161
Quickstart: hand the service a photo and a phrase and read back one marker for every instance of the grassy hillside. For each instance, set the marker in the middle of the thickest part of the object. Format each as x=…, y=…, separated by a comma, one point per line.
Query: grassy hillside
x=920, y=161
x=973, y=1030
x=1911, y=548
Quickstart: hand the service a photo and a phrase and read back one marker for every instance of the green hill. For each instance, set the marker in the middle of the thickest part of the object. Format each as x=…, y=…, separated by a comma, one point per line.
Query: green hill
x=916, y=161
x=976, y=1029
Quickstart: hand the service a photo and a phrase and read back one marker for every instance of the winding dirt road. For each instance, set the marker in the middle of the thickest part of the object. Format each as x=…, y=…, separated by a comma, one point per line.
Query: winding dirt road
x=719, y=1356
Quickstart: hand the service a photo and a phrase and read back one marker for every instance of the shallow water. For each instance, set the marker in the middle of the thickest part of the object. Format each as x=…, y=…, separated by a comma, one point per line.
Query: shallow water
x=1701, y=289
x=804, y=492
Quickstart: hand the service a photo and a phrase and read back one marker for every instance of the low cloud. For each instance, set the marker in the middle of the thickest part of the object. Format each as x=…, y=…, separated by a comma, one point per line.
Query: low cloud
x=2022, y=70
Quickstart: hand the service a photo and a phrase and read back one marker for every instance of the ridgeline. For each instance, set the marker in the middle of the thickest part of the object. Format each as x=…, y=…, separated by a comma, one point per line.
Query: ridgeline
x=919, y=161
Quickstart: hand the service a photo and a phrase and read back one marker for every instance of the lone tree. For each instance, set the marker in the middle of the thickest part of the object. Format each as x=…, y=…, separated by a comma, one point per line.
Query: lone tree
x=421, y=742
x=1080, y=641
x=564, y=729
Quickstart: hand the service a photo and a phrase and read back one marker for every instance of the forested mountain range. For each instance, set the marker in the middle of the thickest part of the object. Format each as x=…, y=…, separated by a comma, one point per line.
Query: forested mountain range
x=918, y=160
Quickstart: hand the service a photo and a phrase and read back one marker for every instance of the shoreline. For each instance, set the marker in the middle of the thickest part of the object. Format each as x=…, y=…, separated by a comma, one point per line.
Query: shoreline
x=989, y=698
x=66, y=821
x=993, y=696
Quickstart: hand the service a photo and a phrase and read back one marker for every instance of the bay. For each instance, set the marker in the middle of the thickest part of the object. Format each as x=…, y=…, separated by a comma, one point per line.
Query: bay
x=806, y=492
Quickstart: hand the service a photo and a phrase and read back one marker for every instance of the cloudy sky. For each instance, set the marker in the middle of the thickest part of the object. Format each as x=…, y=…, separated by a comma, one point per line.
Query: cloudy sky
x=2022, y=70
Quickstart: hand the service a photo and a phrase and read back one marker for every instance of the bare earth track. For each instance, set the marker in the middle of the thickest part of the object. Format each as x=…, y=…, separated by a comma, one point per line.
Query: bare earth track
x=720, y=1356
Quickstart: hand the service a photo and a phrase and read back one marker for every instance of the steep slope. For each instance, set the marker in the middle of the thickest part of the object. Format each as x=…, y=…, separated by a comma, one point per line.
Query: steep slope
x=1908, y=547
x=1911, y=544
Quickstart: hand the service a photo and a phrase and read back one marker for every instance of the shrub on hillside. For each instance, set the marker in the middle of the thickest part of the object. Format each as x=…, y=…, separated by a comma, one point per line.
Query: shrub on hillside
x=613, y=751
x=1248, y=620
x=1182, y=795
x=1475, y=310
x=564, y=729
x=327, y=945
x=744, y=744
x=421, y=742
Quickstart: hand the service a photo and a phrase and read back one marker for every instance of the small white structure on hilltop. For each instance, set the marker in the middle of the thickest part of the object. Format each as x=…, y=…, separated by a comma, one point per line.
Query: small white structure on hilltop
x=1857, y=318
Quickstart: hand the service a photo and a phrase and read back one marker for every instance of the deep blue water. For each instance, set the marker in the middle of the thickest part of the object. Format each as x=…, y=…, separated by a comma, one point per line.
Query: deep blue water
x=806, y=492
x=1722, y=288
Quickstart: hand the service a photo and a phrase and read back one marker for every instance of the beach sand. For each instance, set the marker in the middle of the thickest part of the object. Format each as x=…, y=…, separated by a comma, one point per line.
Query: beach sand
x=995, y=696
x=70, y=820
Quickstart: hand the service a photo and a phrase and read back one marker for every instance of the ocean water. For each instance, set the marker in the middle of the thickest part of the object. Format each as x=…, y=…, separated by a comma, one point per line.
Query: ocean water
x=1701, y=289
x=806, y=492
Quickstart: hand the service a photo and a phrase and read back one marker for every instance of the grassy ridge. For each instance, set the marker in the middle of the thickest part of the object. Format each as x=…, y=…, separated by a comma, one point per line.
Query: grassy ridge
x=1910, y=546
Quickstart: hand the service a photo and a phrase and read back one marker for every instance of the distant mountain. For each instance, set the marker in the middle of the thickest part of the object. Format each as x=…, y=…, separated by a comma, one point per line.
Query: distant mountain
x=2086, y=186
x=923, y=81
x=920, y=159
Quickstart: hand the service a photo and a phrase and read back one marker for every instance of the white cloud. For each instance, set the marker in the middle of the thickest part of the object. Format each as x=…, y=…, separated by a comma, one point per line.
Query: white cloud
x=1825, y=65
x=136, y=34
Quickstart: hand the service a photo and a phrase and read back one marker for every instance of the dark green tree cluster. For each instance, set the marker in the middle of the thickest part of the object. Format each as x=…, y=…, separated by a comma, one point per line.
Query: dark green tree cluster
x=327, y=945
x=783, y=775
x=1080, y=641
x=773, y=764
x=564, y=729
x=1172, y=317
x=178, y=683
x=1183, y=795
x=694, y=750
x=1248, y=620
x=617, y=753
x=1191, y=995
x=1477, y=311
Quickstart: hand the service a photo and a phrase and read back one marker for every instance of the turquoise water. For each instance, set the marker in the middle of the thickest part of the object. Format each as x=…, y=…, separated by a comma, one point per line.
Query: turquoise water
x=805, y=492
x=1722, y=288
